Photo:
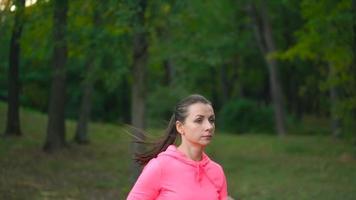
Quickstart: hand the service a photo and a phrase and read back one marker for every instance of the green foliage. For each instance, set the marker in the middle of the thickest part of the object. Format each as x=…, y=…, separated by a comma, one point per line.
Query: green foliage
x=190, y=33
x=105, y=46
x=161, y=105
x=6, y=24
x=326, y=39
x=210, y=45
x=243, y=115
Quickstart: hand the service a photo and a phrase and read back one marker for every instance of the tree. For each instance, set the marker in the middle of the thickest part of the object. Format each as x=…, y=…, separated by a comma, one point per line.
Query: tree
x=13, y=115
x=81, y=134
x=334, y=98
x=353, y=67
x=139, y=59
x=201, y=37
x=55, y=138
x=326, y=39
x=263, y=31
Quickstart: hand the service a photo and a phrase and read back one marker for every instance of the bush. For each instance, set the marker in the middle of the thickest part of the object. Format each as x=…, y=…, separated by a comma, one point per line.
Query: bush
x=243, y=115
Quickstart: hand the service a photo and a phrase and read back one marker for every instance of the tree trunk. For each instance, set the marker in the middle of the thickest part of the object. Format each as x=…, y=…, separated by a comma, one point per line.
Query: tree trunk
x=224, y=84
x=168, y=64
x=13, y=115
x=353, y=10
x=56, y=117
x=354, y=33
x=81, y=134
x=169, y=72
x=354, y=58
x=140, y=54
x=335, y=119
x=263, y=30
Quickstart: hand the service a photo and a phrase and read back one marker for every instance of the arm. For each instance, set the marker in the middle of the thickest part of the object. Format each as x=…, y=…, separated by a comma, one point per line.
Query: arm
x=147, y=185
x=223, y=190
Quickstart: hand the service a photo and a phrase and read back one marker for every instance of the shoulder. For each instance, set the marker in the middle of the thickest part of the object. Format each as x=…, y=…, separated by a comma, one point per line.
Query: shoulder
x=216, y=173
x=164, y=159
x=216, y=167
x=153, y=166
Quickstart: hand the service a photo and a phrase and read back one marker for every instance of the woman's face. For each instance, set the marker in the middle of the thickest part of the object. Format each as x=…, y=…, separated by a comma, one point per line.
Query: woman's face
x=199, y=125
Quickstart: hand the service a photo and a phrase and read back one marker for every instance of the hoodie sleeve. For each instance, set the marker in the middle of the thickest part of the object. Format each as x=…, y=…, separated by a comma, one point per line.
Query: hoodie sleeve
x=147, y=185
x=223, y=190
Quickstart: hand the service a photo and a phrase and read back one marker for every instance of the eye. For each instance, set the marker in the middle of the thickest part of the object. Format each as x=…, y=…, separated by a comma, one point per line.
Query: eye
x=199, y=120
x=212, y=120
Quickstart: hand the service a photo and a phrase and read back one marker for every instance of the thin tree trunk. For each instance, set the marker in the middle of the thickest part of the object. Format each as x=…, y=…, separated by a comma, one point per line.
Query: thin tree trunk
x=353, y=10
x=81, y=134
x=354, y=31
x=335, y=119
x=13, y=115
x=168, y=64
x=169, y=71
x=224, y=84
x=138, y=106
x=264, y=34
x=55, y=138
x=236, y=84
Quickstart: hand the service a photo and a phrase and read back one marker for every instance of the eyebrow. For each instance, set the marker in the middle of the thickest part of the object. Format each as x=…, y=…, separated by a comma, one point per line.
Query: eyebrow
x=204, y=116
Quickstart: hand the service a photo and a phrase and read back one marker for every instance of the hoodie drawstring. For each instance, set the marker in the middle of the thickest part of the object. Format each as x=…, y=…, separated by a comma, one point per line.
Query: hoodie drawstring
x=199, y=172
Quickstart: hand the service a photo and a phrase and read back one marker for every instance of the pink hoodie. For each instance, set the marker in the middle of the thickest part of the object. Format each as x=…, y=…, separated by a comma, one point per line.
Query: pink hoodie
x=173, y=176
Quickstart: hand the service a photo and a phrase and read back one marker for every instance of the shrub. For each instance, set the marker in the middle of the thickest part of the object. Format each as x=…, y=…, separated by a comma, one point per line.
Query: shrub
x=243, y=115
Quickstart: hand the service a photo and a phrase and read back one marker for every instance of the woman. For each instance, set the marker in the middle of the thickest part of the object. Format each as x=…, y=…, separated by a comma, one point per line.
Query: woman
x=182, y=172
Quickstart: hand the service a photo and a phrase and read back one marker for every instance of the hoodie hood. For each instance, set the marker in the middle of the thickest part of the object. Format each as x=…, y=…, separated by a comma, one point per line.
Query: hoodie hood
x=199, y=166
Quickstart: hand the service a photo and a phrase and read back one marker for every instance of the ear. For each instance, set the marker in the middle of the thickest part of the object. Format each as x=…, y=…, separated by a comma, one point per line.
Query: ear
x=179, y=127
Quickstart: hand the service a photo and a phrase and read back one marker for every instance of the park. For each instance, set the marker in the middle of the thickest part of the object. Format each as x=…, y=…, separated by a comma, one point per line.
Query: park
x=82, y=81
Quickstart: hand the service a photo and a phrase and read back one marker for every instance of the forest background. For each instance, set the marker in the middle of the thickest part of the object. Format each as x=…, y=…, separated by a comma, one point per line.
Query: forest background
x=281, y=75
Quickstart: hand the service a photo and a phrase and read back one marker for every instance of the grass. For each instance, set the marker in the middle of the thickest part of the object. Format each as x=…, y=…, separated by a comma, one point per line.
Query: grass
x=257, y=166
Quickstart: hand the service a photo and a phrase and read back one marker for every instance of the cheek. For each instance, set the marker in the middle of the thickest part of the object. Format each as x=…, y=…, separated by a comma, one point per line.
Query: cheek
x=189, y=130
x=192, y=129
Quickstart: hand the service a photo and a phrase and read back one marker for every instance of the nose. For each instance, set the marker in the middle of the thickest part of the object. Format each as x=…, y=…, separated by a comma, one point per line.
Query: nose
x=208, y=125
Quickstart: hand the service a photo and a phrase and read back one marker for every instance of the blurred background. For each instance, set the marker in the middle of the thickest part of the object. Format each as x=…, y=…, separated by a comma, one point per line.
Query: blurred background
x=76, y=75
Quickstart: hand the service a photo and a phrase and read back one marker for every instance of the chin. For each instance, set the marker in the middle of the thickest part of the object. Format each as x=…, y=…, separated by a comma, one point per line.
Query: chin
x=204, y=144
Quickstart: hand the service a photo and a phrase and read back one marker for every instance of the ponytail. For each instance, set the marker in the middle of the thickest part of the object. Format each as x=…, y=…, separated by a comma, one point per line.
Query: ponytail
x=159, y=146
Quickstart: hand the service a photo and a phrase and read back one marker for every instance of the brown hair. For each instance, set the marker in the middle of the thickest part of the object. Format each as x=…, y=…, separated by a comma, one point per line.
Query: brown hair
x=180, y=114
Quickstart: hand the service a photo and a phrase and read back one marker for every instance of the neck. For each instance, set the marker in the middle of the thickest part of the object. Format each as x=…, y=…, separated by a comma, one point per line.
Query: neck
x=193, y=152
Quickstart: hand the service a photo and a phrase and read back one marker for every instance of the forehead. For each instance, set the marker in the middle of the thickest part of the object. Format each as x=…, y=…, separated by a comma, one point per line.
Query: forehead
x=200, y=109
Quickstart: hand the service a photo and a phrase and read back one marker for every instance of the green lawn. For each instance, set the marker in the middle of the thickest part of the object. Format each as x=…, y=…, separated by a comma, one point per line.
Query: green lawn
x=257, y=166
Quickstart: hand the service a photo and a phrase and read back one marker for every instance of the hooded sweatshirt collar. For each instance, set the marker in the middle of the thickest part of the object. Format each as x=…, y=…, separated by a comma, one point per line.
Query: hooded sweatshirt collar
x=199, y=166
